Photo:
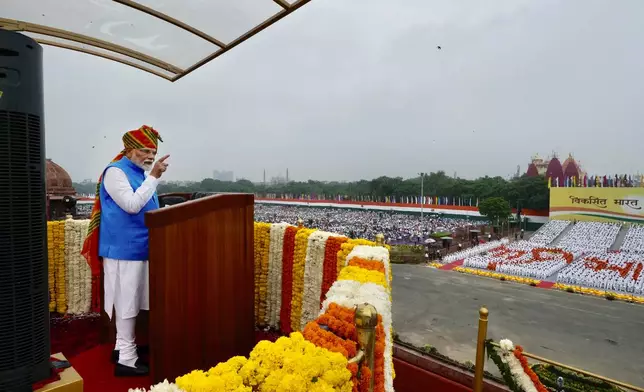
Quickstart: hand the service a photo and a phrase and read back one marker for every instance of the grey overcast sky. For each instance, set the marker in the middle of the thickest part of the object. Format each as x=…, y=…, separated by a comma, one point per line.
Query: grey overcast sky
x=351, y=89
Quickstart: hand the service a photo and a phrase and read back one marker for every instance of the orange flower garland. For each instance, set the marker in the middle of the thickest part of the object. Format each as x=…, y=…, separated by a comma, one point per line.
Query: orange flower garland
x=379, y=358
x=518, y=353
x=326, y=339
x=372, y=265
x=347, y=247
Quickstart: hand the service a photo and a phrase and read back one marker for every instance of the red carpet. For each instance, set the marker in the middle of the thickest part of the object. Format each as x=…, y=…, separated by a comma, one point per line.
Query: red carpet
x=77, y=339
x=98, y=373
x=452, y=265
x=546, y=285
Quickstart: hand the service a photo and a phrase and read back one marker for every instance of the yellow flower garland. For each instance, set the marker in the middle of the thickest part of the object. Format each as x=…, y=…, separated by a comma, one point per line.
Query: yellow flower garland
x=347, y=247
x=363, y=275
x=261, y=252
x=299, y=257
x=496, y=275
x=290, y=364
x=51, y=268
x=58, y=247
x=599, y=293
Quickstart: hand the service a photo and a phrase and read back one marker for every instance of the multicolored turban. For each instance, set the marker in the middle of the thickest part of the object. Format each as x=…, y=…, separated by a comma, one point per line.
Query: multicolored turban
x=144, y=137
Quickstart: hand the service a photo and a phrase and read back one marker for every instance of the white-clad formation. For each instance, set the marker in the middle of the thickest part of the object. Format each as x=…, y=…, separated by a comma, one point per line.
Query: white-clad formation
x=475, y=250
x=522, y=258
x=622, y=272
x=590, y=236
x=548, y=232
x=582, y=257
x=634, y=240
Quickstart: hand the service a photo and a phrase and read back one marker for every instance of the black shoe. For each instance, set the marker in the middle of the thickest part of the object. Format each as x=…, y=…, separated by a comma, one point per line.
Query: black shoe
x=138, y=370
x=140, y=351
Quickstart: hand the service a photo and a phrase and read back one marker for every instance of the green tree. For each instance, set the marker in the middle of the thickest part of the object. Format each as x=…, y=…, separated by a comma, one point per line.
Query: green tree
x=495, y=209
x=525, y=192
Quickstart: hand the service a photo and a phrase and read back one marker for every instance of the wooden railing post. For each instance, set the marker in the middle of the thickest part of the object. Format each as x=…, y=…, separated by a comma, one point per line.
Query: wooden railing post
x=480, y=350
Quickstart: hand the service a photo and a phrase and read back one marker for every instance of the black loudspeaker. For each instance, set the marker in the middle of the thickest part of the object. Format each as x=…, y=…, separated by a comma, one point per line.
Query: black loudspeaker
x=24, y=313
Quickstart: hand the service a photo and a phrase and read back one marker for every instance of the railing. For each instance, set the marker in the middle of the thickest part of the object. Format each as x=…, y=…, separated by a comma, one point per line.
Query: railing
x=480, y=360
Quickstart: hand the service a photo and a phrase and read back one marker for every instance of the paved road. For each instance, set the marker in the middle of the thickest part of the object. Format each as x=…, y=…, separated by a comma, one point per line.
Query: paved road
x=440, y=308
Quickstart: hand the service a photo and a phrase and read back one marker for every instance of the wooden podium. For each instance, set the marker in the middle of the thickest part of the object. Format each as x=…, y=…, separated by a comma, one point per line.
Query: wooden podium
x=201, y=284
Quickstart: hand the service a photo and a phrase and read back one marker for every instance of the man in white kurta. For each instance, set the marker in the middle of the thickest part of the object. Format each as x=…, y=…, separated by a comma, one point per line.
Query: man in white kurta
x=126, y=193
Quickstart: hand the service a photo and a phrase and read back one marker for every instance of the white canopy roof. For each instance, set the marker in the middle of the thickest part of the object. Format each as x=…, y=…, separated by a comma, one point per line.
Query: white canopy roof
x=168, y=38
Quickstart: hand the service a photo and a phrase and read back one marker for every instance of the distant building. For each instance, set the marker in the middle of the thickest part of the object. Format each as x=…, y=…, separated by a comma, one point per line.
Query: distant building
x=59, y=188
x=279, y=180
x=223, y=175
x=553, y=168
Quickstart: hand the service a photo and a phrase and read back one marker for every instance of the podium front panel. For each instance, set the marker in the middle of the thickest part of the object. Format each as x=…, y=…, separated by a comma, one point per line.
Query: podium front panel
x=201, y=284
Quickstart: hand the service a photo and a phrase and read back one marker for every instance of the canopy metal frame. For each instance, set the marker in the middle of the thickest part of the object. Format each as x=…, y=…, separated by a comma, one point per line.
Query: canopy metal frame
x=147, y=63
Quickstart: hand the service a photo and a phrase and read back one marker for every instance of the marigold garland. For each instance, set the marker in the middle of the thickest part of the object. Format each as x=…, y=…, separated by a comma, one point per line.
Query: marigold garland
x=287, y=278
x=347, y=247
x=599, y=293
x=371, y=265
x=496, y=275
x=329, y=340
x=304, y=362
x=518, y=353
x=58, y=232
x=261, y=252
x=299, y=257
x=362, y=275
x=330, y=269
x=289, y=364
x=51, y=267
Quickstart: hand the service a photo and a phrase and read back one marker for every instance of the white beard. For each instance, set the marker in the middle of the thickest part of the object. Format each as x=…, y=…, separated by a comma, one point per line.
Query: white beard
x=145, y=166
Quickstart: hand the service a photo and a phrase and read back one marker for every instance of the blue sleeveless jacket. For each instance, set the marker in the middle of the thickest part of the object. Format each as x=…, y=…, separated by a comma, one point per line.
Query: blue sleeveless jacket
x=124, y=236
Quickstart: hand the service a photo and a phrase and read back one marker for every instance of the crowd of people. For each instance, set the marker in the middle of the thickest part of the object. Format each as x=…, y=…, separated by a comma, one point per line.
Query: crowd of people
x=398, y=228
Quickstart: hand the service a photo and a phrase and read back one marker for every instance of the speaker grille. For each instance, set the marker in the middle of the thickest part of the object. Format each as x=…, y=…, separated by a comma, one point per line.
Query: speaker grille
x=24, y=326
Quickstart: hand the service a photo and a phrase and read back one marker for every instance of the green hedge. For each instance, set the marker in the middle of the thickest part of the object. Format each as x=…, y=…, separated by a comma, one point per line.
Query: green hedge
x=573, y=382
x=407, y=254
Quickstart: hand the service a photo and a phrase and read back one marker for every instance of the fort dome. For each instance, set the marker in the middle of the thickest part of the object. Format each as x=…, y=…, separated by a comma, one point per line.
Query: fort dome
x=59, y=183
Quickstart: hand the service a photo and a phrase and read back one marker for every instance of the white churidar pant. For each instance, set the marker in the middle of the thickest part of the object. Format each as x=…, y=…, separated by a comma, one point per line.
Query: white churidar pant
x=126, y=287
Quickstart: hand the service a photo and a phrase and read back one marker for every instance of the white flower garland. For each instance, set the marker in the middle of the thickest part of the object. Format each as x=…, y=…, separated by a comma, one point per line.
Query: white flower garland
x=164, y=386
x=274, y=289
x=506, y=353
x=77, y=271
x=349, y=293
x=313, y=271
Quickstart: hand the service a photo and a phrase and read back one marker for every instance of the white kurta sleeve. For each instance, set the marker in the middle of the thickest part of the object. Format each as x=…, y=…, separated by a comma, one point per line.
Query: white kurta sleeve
x=119, y=188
